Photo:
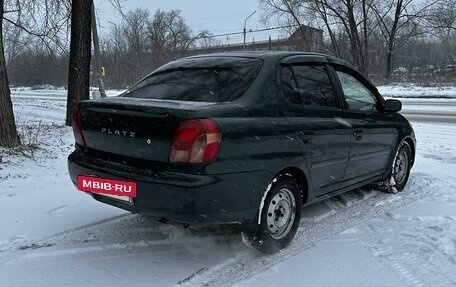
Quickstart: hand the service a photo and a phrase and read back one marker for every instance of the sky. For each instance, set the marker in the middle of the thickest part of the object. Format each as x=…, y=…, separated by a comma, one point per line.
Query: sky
x=219, y=17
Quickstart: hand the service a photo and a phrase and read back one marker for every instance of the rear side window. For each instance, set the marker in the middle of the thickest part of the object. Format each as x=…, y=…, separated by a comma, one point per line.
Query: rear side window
x=289, y=87
x=312, y=85
x=212, y=79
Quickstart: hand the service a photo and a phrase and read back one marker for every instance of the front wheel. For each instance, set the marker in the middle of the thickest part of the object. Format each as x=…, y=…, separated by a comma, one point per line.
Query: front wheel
x=400, y=171
x=279, y=218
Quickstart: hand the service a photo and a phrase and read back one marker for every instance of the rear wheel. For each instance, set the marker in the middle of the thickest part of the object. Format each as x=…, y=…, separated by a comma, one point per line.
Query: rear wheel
x=400, y=171
x=279, y=218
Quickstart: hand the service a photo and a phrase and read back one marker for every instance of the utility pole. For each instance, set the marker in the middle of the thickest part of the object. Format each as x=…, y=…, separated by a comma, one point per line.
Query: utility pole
x=245, y=26
x=96, y=48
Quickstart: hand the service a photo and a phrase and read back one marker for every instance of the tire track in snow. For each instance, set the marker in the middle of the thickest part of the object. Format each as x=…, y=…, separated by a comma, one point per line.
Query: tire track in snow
x=151, y=245
x=57, y=210
x=124, y=232
x=384, y=252
x=357, y=212
x=132, y=234
x=404, y=251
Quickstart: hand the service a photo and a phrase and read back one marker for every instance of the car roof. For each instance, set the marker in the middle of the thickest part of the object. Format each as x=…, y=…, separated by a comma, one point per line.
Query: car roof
x=277, y=55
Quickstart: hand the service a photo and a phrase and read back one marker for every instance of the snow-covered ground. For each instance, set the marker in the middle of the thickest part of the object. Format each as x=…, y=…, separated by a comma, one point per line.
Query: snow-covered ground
x=53, y=235
x=415, y=91
x=51, y=92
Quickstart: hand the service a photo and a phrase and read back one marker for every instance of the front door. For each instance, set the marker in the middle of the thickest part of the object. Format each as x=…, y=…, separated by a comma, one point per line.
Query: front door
x=372, y=134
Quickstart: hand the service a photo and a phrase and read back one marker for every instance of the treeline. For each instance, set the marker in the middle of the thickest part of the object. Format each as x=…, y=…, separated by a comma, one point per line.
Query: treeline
x=378, y=36
x=415, y=44
x=143, y=42
x=131, y=50
x=38, y=66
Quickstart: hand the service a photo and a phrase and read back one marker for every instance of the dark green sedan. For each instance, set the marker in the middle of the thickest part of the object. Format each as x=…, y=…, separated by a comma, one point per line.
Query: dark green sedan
x=241, y=138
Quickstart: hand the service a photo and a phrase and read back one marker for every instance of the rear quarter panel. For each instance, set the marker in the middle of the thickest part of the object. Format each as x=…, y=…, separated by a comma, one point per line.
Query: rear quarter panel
x=254, y=134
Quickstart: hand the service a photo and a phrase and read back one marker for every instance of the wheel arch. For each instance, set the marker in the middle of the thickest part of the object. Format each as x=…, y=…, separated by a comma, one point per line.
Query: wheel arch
x=409, y=140
x=411, y=143
x=301, y=179
x=296, y=174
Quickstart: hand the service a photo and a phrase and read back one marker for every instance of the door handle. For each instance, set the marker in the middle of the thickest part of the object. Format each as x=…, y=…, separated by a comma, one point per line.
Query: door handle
x=306, y=137
x=369, y=120
x=358, y=134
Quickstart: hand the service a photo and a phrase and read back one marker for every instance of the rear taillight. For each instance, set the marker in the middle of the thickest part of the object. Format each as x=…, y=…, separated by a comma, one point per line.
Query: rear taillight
x=77, y=128
x=196, y=141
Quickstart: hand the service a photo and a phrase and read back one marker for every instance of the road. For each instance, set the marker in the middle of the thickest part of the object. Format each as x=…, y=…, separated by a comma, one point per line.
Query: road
x=429, y=110
x=415, y=109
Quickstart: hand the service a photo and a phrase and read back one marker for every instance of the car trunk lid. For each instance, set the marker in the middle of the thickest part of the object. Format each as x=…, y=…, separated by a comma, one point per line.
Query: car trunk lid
x=133, y=128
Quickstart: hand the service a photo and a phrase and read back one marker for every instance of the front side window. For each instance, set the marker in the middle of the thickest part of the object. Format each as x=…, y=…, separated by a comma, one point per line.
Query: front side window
x=357, y=96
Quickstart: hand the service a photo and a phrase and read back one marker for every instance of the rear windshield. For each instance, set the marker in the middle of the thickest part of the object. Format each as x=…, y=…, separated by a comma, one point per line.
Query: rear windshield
x=210, y=79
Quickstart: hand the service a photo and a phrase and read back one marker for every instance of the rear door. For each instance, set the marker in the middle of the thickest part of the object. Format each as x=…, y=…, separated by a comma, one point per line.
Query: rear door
x=312, y=109
x=372, y=133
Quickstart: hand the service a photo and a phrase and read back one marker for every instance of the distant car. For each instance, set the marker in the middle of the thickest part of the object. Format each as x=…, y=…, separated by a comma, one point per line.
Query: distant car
x=400, y=71
x=241, y=138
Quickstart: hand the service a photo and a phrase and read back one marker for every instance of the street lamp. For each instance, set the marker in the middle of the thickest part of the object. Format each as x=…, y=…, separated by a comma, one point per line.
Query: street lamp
x=245, y=24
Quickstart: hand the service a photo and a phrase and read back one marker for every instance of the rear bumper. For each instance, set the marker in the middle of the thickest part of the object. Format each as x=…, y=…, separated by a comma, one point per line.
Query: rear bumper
x=181, y=197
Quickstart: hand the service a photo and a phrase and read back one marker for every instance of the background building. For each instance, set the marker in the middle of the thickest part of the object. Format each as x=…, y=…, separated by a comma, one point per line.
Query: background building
x=305, y=39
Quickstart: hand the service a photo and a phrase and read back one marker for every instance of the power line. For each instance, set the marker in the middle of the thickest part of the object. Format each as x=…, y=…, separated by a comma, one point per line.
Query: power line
x=250, y=31
x=216, y=17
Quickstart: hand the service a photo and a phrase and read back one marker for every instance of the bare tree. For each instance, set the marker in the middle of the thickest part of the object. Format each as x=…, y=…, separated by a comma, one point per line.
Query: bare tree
x=442, y=16
x=115, y=53
x=169, y=36
x=43, y=19
x=15, y=41
x=352, y=18
x=37, y=65
x=399, y=20
x=135, y=31
x=441, y=20
x=8, y=132
x=349, y=16
x=204, y=40
x=80, y=52
x=179, y=33
x=290, y=13
x=142, y=43
x=320, y=10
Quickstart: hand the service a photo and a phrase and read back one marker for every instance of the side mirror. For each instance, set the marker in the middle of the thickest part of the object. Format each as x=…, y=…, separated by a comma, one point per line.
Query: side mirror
x=392, y=106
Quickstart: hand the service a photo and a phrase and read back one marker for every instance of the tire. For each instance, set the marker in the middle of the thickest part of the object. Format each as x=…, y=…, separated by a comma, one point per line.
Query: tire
x=280, y=217
x=400, y=171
